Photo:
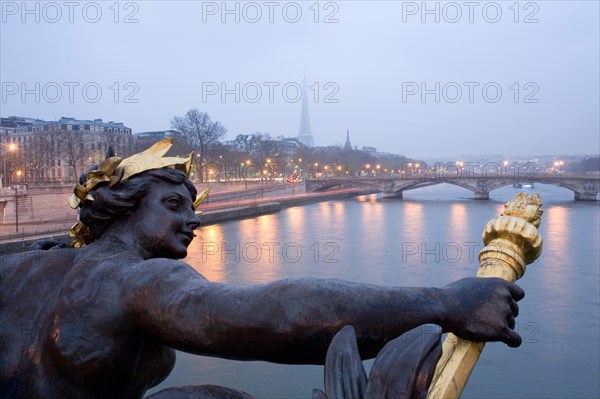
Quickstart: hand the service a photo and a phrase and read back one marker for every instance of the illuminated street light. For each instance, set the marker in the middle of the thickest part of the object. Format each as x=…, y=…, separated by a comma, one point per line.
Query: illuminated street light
x=12, y=147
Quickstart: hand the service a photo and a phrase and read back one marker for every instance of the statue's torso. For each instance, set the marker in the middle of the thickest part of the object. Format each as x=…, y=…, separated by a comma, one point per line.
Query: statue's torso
x=65, y=331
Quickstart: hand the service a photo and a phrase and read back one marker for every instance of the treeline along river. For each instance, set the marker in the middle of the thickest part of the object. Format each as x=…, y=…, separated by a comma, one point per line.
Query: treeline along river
x=429, y=238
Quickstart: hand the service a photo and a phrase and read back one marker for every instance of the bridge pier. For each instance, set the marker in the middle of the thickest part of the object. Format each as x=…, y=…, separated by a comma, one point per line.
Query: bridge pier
x=586, y=196
x=392, y=194
x=482, y=195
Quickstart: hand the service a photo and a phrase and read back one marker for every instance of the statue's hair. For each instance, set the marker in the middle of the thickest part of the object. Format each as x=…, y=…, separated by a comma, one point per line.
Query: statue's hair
x=123, y=199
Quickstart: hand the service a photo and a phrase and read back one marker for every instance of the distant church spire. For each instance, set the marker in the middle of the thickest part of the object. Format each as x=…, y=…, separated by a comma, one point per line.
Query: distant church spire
x=347, y=146
x=304, y=134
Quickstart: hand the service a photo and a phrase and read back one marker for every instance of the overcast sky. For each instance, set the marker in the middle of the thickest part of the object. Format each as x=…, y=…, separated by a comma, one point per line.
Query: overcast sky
x=485, y=78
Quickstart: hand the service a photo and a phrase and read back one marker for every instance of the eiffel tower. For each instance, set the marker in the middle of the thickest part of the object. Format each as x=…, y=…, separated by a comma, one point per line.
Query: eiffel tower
x=304, y=133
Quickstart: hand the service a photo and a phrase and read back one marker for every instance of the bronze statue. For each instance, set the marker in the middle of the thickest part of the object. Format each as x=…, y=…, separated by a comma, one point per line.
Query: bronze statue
x=104, y=319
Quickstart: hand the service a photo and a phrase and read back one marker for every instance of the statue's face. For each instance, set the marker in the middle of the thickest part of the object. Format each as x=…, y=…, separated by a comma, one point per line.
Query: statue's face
x=165, y=221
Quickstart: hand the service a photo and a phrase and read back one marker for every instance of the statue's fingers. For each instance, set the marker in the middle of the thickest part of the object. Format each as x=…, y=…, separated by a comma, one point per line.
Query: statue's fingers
x=516, y=292
x=512, y=339
x=514, y=307
x=511, y=322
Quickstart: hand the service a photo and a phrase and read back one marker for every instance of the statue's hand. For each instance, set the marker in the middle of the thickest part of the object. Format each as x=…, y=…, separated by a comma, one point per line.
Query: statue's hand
x=483, y=309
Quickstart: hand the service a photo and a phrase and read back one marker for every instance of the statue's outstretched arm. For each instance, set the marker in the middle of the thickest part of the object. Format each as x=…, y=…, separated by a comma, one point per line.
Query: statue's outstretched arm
x=293, y=320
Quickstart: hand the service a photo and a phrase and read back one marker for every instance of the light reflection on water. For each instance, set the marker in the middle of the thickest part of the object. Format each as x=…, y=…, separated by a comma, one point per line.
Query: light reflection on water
x=429, y=238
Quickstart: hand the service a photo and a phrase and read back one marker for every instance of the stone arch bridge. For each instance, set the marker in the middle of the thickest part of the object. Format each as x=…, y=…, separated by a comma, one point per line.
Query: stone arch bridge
x=585, y=186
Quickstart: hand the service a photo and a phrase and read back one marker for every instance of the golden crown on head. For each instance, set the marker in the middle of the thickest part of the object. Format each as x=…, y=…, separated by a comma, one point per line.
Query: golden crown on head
x=114, y=170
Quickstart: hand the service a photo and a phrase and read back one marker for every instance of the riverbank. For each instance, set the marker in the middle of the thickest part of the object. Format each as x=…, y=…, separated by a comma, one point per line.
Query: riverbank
x=223, y=207
x=43, y=211
x=220, y=212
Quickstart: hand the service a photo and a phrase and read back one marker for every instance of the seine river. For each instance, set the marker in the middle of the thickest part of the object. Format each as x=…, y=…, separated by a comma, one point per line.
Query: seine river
x=429, y=238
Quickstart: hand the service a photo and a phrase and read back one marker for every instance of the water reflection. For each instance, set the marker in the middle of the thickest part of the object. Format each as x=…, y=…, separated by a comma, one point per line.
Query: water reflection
x=295, y=218
x=206, y=255
x=256, y=250
x=412, y=220
x=372, y=198
x=458, y=221
x=459, y=246
x=557, y=236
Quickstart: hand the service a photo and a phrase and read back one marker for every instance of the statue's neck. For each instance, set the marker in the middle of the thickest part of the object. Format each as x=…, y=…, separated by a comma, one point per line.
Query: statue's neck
x=119, y=238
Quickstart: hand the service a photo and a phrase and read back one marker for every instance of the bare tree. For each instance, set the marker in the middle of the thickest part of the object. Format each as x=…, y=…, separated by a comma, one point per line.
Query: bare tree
x=72, y=147
x=200, y=133
x=39, y=154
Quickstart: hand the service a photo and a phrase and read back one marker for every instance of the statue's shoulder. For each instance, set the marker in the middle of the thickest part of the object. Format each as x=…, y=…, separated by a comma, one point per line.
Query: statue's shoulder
x=164, y=264
x=37, y=259
x=154, y=262
x=163, y=269
x=41, y=272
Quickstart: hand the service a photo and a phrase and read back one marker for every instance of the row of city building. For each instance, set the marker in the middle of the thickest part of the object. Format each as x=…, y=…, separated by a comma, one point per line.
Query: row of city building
x=39, y=151
x=35, y=150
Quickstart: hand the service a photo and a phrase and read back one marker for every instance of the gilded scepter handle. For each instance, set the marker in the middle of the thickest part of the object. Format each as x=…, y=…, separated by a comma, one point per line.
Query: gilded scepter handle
x=511, y=241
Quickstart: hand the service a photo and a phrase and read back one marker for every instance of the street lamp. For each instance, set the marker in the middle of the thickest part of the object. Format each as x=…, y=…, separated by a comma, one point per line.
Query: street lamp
x=558, y=165
x=12, y=147
x=245, y=170
x=222, y=169
x=269, y=166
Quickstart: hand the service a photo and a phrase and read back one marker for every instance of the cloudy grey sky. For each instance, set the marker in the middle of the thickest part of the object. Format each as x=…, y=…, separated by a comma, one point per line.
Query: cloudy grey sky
x=423, y=80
